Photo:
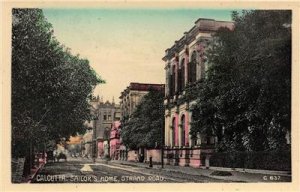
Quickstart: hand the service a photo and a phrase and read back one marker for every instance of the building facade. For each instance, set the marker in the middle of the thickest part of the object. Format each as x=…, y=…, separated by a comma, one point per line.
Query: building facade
x=105, y=114
x=129, y=99
x=132, y=96
x=115, y=141
x=185, y=64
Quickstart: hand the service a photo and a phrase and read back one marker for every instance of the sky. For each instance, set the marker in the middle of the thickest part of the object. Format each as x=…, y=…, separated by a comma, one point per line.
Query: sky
x=125, y=45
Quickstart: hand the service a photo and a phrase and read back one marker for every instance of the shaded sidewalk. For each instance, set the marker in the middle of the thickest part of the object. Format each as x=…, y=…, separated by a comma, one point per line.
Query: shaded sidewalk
x=238, y=175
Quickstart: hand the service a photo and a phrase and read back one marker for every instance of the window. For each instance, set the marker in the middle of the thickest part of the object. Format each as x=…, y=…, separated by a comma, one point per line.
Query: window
x=193, y=67
x=172, y=81
x=182, y=74
x=170, y=84
x=209, y=140
x=173, y=132
x=107, y=133
x=104, y=117
x=182, y=130
x=179, y=88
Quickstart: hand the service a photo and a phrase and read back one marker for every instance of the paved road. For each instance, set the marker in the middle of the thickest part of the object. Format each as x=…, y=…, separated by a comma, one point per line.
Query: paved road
x=87, y=172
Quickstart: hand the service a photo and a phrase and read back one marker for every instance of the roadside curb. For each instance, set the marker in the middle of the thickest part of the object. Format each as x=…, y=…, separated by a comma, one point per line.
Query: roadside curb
x=253, y=171
x=228, y=178
x=209, y=176
x=176, y=171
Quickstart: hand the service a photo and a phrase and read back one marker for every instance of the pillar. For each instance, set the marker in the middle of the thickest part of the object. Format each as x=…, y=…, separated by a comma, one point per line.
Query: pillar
x=167, y=130
x=176, y=75
x=189, y=125
x=186, y=127
x=176, y=129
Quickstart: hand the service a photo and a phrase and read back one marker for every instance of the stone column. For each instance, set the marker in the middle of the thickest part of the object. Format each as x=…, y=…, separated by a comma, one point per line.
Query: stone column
x=179, y=133
x=167, y=130
x=176, y=129
x=186, y=124
x=189, y=125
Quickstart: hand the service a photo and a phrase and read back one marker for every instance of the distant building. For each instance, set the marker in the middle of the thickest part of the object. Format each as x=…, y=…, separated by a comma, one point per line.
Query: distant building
x=185, y=64
x=129, y=99
x=132, y=96
x=106, y=113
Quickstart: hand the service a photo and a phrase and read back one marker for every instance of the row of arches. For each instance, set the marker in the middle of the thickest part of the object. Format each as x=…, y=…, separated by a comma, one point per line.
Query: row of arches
x=182, y=77
x=178, y=133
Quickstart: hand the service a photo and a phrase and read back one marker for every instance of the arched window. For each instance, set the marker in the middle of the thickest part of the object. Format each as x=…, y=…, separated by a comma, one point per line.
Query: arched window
x=183, y=130
x=172, y=81
x=183, y=74
x=193, y=67
x=181, y=77
x=179, y=88
x=173, y=132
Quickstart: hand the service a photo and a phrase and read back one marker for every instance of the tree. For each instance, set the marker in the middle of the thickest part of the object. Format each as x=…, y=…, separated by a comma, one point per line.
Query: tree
x=50, y=87
x=246, y=98
x=143, y=129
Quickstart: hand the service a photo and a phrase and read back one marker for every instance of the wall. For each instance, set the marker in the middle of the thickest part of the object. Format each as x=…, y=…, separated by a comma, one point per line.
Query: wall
x=132, y=155
x=100, y=149
x=114, y=144
x=155, y=154
x=173, y=113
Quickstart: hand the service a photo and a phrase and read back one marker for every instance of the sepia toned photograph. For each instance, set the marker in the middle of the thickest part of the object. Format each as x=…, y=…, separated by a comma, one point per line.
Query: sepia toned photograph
x=159, y=95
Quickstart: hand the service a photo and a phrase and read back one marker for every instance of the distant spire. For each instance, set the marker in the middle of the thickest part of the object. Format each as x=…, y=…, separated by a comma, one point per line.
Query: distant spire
x=101, y=99
x=113, y=100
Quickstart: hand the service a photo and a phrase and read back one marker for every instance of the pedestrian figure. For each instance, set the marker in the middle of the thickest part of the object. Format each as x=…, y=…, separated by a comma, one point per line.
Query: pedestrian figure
x=142, y=158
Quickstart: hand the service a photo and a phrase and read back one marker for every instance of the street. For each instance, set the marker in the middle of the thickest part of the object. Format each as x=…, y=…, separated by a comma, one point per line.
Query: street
x=77, y=171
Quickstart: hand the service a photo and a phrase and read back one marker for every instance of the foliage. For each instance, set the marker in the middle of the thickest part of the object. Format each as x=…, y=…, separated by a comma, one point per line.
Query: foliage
x=50, y=86
x=143, y=129
x=246, y=98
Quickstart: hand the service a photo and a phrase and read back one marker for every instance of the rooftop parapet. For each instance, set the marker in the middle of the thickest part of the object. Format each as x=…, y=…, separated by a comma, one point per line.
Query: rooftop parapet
x=201, y=25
